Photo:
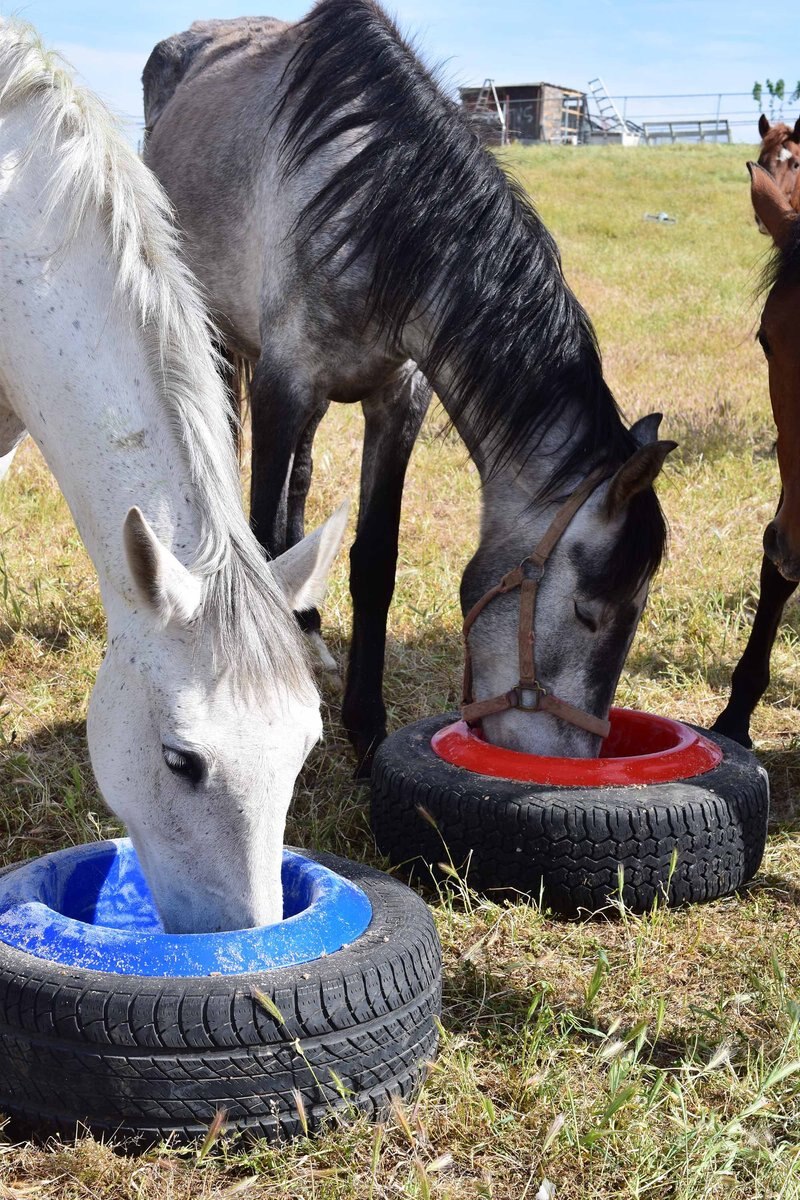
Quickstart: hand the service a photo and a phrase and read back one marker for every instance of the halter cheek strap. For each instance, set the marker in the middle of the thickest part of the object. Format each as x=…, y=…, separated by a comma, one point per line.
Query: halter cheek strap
x=528, y=695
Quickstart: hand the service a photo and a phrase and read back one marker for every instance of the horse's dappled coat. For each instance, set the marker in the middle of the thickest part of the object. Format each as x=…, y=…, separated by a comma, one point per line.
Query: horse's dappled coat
x=347, y=225
x=204, y=706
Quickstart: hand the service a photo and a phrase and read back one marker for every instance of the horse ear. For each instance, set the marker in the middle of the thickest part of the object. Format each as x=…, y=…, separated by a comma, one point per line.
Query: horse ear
x=635, y=475
x=302, y=571
x=796, y=131
x=771, y=206
x=645, y=430
x=763, y=125
x=164, y=584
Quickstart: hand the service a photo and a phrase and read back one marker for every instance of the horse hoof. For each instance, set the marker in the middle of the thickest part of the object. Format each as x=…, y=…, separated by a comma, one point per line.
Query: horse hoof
x=736, y=733
x=363, y=772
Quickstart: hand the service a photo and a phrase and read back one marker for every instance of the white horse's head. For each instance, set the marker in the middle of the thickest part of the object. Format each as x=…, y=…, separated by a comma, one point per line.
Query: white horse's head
x=205, y=707
x=196, y=755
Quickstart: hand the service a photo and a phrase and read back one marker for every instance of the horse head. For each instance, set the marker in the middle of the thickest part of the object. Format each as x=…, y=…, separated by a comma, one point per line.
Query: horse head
x=588, y=599
x=195, y=752
x=780, y=155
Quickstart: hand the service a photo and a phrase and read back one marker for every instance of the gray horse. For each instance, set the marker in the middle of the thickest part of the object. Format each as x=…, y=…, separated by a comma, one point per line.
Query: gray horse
x=346, y=225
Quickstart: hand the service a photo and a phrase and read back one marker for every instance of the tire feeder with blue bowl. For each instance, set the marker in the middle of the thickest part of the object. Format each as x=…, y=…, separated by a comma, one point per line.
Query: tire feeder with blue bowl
x=112, y=1025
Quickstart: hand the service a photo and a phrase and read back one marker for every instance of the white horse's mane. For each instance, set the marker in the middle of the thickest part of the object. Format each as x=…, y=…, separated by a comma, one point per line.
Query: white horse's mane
x=97, y=170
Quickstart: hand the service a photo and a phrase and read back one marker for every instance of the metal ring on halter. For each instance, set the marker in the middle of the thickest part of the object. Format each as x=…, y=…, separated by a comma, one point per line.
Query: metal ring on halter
x=521, y=690
x=527, y=569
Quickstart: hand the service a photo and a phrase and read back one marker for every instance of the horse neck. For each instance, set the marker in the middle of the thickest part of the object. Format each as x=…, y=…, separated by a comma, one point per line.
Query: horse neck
x=515, y=496
x=518, y=487
x=75, y=370
x=537, y=457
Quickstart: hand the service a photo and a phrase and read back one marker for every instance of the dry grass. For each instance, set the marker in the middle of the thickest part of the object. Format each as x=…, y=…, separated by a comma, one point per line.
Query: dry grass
x=654, y=1057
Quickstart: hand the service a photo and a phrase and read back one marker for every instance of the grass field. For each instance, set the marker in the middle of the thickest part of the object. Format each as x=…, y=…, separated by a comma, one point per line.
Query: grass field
x=641, y=1057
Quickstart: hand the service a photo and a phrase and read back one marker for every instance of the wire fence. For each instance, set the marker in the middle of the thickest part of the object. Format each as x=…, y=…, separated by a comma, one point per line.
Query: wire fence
x=737, y=108
x=546, y=113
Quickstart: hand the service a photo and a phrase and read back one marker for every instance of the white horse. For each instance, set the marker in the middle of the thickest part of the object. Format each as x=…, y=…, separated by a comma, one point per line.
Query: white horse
x=204, y=708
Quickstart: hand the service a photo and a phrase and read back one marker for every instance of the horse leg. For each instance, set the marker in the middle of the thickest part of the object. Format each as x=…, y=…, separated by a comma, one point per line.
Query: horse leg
x=299, y=485
x=283, y=422
x=12, y=433
x=279, y=414
x=393, y=418
x=751, y=676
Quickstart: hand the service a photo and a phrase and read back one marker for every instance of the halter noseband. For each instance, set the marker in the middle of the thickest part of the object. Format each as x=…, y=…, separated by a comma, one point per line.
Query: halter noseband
x=528, y=695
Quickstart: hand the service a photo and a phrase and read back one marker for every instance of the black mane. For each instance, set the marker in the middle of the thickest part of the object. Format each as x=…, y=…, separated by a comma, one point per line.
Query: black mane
x=421, y=199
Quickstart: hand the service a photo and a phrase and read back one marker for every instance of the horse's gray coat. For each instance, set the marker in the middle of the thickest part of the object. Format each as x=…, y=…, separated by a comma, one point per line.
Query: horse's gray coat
x=219, y=111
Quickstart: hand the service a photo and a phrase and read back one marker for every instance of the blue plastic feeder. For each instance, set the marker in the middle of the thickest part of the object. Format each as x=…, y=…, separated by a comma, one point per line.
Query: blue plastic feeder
x=90, y=907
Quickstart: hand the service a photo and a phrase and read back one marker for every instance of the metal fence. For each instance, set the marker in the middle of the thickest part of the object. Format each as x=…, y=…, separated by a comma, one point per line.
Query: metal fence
x=737, y=108
x=697, y=116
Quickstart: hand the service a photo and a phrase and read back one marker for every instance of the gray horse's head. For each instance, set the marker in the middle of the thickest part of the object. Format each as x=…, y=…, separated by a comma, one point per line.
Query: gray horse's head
x=590, y=598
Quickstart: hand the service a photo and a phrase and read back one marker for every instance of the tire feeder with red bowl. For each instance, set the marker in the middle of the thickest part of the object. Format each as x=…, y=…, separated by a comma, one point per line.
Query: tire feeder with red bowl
x=666, y=813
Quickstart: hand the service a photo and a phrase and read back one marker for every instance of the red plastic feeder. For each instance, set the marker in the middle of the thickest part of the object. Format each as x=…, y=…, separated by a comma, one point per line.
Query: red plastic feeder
x=640, y=749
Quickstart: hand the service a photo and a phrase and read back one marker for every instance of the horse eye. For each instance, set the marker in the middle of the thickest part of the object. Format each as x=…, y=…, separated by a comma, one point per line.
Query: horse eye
x=181, y=762
x=585, y=619
x=763, y=343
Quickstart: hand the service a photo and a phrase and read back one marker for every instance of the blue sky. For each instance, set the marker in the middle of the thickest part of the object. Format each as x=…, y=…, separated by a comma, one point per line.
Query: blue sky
x=645, y=47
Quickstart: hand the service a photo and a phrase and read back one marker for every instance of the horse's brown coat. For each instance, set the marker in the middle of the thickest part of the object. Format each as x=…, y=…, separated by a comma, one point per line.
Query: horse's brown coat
x=779, y=335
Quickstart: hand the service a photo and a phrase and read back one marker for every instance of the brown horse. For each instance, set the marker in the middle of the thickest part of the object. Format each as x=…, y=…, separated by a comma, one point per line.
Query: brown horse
x=779, y=335
x=780, y=155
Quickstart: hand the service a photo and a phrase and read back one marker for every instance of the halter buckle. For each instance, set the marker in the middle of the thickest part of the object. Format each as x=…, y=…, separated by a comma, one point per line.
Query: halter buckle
x=527, y=697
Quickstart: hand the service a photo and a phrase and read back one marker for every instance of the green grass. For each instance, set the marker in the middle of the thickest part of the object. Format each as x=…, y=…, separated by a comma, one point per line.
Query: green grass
x=653, y=1057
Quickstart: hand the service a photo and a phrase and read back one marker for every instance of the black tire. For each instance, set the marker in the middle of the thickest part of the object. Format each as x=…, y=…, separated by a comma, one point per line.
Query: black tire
x=148, y=1057
x=568, y=843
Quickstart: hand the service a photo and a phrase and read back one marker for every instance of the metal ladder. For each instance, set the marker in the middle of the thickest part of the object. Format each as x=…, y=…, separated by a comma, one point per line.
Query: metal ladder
x=482, y=105
x=611, y=119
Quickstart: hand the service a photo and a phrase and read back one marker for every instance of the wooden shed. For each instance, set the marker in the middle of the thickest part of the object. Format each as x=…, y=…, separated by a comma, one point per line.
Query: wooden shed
x=533, y=112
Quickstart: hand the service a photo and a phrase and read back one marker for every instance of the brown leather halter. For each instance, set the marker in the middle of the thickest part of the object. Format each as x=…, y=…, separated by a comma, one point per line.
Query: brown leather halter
x=528, y=695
